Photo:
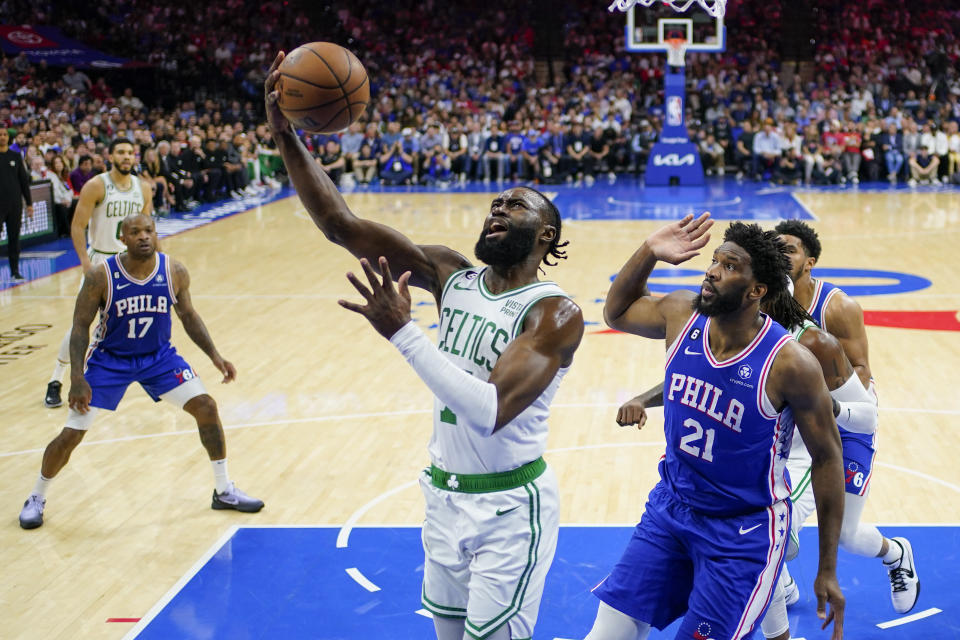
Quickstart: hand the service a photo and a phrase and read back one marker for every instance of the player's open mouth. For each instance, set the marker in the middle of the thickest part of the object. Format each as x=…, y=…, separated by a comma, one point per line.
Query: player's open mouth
x=496, y=228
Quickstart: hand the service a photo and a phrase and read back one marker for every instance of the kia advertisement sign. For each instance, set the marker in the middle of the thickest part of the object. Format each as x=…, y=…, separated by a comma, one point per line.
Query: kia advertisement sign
x=49, y=43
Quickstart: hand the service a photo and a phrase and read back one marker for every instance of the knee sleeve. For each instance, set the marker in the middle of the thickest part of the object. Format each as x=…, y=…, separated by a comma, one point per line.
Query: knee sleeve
x=613, y=625
x=858, y=538
x=775, y=620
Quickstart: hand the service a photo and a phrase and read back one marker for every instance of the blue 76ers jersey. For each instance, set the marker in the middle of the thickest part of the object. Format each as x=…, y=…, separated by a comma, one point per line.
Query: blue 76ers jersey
x=727, y=446
x=136, y=317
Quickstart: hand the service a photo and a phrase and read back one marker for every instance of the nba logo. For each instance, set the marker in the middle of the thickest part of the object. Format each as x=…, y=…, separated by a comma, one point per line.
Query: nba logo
x=674, y=111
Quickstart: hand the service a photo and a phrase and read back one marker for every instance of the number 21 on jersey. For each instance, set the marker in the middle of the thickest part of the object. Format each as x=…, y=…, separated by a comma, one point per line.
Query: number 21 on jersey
x=687, y=442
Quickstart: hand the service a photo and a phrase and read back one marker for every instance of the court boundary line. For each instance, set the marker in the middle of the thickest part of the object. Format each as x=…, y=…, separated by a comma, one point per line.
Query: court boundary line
x=800, y=203
x=181, y=583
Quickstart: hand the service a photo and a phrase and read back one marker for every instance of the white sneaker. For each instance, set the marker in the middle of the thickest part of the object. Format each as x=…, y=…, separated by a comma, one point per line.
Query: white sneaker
x=233, y=498
x=904, y=583
x=31, y=516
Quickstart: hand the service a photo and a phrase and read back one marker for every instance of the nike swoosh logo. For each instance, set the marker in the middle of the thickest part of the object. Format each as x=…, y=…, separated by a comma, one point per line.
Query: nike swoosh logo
x=686, y=351
x=121, y=286
x=501, y=512
x=746, y=531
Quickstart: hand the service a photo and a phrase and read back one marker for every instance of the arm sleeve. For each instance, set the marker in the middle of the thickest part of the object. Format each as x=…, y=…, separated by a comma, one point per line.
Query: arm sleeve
x=472, y=400
x=858, y=410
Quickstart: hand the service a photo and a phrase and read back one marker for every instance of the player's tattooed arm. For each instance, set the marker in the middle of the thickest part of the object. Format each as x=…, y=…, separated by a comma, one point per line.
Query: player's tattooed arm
x=90, y=299
x=193, y=324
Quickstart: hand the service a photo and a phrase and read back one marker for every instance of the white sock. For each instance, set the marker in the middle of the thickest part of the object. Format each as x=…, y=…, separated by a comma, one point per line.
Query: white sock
x=40, y=489
x=58, y=372
x=894, y=553
x=220, y=476
x=63, y=359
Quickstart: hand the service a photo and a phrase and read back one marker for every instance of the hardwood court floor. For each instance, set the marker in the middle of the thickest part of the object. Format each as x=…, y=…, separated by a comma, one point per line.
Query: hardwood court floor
x=326, y=416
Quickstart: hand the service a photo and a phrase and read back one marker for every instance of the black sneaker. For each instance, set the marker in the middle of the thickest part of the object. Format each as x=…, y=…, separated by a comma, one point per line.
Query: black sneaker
x=52, y=399
x=235, y=499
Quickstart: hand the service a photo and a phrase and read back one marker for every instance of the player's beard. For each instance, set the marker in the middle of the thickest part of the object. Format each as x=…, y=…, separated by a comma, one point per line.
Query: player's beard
x=515, y=246
x=721, y=303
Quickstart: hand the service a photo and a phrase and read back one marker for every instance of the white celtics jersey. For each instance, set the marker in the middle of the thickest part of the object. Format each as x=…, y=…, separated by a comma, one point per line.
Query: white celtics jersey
x=475, y=328
x=103, y=234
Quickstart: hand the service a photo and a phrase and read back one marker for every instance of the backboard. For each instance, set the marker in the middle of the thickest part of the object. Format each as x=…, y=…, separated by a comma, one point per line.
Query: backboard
x=648, y=28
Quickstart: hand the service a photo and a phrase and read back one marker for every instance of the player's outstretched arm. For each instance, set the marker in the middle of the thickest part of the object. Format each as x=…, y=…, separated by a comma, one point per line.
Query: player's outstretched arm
x=551, y=333
x=91, y=194
x=193, y=323
x=796, y=380
x=430, y=266
x=629, y=306
x=91, y=297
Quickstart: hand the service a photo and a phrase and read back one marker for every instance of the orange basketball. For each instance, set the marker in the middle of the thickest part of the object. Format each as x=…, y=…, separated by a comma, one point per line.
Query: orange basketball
x=322, y=87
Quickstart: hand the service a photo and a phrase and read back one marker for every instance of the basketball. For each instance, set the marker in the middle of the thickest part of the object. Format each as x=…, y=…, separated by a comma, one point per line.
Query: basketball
x=322, y=87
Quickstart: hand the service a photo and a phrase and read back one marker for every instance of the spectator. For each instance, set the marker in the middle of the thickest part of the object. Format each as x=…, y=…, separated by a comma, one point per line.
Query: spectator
x=891, y=144
x=77, y=81
x=923, y=168
x=83, y=173
x=455, y=147
x=712, y=154
x=577, y=148
x=766, y=151
x=365, y=164
x=743, y=151
x=332, y=160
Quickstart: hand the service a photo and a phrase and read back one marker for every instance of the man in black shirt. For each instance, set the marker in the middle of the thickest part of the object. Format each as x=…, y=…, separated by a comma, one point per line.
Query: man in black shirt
x=14, y=189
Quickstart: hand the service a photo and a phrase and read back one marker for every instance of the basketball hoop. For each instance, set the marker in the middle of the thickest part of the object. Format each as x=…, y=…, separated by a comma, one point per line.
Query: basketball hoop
x=676, y=48
x=715, y=8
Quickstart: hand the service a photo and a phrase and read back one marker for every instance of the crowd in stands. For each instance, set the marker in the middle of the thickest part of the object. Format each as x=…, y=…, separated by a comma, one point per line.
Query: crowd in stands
x=455, y=95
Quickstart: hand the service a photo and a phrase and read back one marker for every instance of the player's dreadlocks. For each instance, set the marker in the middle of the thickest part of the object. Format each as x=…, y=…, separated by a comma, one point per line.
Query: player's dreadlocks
x=785, y=310
x=768, y=261
x=556, y=247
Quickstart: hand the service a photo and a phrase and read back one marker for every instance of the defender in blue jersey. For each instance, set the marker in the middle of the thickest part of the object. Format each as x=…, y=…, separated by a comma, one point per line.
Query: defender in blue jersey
x=712, y=538
x=842, y=317
x=135, y=292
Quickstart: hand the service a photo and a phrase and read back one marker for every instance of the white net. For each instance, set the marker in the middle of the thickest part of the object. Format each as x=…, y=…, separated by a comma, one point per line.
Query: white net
x=715, y=8
x=676, y=49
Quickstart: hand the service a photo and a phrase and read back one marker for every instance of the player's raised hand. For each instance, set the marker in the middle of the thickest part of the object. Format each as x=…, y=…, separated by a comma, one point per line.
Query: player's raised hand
x=828, y=591
x=679, y=241
x=275, y=117
x=388, y=307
